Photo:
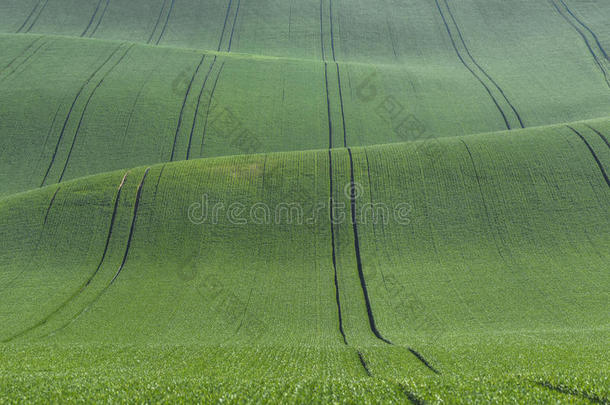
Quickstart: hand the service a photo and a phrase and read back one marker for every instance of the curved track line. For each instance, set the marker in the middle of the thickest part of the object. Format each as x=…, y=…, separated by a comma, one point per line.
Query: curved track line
x=186, y=95
x=233, y=27
x=205, y=80
x=20, y=55
x=169, y=14
x=585, y=26
x=63, y=130
x=100, y=20
x=586, y=41
x=457, y=27
x=28, y=17
x=82, y=116
x=207, y=114
x=599, y=134
x=23, y=62
x=599, y=163
x=459, y=55
x=97, y=8
x=89, y=279
x=101, y=293
x=152, y=34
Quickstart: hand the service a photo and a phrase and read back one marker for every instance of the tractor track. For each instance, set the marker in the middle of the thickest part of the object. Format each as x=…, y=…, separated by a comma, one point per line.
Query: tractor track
x=78, y=94
x=86, y=284
x=471, y=70
x=205, y=80
x=80, y=121
x=599, y=134
x=599, y=163
x=97, y=8
x=169, y=14
x=44, y=5
x=186, y=95
x=207, y=114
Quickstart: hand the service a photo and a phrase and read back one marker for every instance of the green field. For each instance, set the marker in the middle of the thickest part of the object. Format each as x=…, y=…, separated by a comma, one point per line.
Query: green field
x=305, y=202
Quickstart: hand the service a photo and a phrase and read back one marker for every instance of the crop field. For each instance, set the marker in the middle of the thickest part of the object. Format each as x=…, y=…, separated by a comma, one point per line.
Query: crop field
x=281, y=201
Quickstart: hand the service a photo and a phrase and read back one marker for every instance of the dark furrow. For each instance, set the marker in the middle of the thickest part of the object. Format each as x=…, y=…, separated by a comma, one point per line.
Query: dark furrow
x=599, y=134
x=63, y=130
x=20, y=55
x=152, y=34
x=233, y=27
x=469, y=68
x=599, y=163
x=132, y=229
x=188, y=91
x=584, y=38
x=330, y=122
x=46, y=140
x=414, y=399
x=37, y=16
x=391, y=32
x=332, y=35
x=457, y=27
x=28, y=17
x=585, y=26
x=46, y=215
x=322, y=33
x=97, y=8
x=24, y=61
x=571, y=391
x=342, y=110
x=423, y=360
x=169, y=14
x=363, y=363
x=82, y=116
x=224, y=27
x=97, y=25
x=88, y=281
x=334, y=253
x=205, y=80
x=158, y=181
x=131, y=111
x=207, y=114
x=365, y=293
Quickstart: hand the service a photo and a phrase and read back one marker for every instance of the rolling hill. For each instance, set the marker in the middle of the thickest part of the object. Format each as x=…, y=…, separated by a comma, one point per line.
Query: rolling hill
x=317, y=201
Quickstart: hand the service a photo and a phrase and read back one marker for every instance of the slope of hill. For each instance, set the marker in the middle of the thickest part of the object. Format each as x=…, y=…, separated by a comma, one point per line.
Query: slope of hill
x=317, y=201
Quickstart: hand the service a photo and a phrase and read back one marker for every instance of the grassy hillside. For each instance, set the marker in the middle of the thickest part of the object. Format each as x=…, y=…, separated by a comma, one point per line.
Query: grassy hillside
x=476, y=264
x=305, y=202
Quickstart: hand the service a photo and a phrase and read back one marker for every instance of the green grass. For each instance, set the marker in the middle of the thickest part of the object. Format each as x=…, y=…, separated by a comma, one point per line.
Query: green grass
x=486, y=279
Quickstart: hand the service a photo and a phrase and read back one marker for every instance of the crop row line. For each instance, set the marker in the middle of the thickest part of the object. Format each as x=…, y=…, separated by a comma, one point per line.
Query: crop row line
x=25, y=59
x=599, y=163
x=99, y=21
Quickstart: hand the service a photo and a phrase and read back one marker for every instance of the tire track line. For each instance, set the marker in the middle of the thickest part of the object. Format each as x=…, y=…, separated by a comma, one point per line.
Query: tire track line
x=169, y=14
x=224, y=27
x=585, y=26
x=97, y=8
x=207, y=114
x=186, y=95
x=100, y=20
x=44, y=5
x=20, y=55
x=586, y=41
x=205, y=80
x=332, y=44
x=599, y=163
x=367, y=301
x=121, y=267
x=152, y=34
x=78, y=94
x=599, y=134
x=457, y=27
x=334, y=253
x=83, y=287
x=80, y=121
x=461, y=58
x=23, y=62
x=233, y=28
x=28, y=17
